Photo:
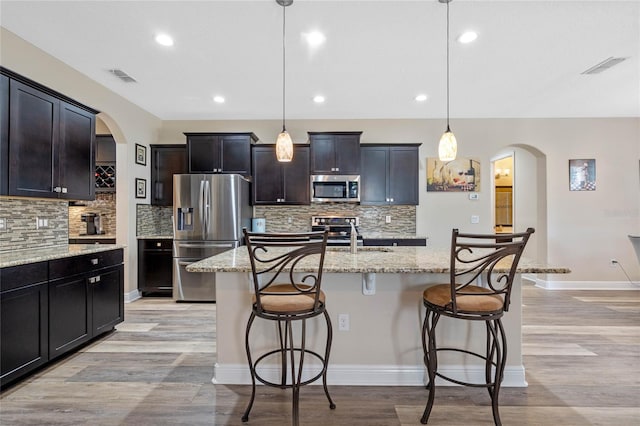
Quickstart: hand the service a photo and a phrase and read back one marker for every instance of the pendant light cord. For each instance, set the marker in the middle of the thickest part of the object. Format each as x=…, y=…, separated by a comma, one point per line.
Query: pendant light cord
x=448, y=129
x=283, y=64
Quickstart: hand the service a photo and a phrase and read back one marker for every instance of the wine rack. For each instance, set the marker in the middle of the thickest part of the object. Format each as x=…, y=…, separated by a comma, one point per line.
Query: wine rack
x=105, y=178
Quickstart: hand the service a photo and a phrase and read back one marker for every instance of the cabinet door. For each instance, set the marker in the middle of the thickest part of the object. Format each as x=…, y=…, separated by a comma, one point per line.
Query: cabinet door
x=33, y=133
x=403, y=175
x=107, y=290
x=166, y=161
x=323, y=157
x=203, y=153
x=296, y=177
x=69, y=315
x=4, y=135
x=235, y=154
x=347, y=154
x=267, y=176
x=155, y=273
x=23, y=331
x=76, y=155
x=373, y=175
x=105, y=149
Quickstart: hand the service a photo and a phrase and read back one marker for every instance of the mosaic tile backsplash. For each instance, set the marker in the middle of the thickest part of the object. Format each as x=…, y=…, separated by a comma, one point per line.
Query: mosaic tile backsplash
x=104, y=205
x=298, y=218
x=20, y=215
x=153, y=220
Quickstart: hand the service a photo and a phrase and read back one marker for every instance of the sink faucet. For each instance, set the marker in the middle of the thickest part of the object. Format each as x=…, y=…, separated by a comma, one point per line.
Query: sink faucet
x=353, y=240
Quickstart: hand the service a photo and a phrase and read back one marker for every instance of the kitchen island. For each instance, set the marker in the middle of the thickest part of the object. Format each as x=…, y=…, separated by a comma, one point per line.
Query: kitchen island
x=380, y=289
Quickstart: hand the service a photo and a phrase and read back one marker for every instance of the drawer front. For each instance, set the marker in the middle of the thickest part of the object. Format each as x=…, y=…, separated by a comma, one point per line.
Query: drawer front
x=85, y=263
x=23, y=275
x=157, y=244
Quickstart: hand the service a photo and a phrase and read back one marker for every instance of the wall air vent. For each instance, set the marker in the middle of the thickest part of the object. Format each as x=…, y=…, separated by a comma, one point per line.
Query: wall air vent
x=122, y=75
x=604, y=65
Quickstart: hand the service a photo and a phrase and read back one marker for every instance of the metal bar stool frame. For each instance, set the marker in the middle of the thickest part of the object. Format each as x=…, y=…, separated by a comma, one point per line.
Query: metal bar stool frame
x=275, y=255
x=490, y=260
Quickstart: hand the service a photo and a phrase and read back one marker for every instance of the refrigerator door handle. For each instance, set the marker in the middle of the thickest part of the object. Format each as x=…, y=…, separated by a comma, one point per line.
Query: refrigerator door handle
x=203, y=218
x=207, y=208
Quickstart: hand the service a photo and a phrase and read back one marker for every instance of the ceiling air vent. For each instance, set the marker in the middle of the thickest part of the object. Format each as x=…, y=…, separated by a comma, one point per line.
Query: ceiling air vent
x=122, y=76
x=604, y=65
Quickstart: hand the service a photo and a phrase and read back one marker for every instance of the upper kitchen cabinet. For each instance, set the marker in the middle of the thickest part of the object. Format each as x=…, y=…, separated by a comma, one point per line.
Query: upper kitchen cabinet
x=220, y=152
x=4, y=135
x=335, y=153
x=51, y=141
x=166, y=161
x=105, y=163
x=389, y=174
x=277, y=182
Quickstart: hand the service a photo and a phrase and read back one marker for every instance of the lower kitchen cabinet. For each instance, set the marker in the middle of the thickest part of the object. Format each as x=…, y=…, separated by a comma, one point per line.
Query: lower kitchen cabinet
x=24, y=320
x=394, y=242
x=155, y=266
x=50, y=308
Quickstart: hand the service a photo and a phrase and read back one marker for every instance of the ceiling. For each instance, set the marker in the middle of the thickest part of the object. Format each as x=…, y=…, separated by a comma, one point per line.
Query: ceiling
x=378, y=55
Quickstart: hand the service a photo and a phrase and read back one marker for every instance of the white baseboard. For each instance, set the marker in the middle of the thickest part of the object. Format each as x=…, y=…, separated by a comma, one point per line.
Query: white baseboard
x=132, y=295
x=374, y=375
x=584, y=285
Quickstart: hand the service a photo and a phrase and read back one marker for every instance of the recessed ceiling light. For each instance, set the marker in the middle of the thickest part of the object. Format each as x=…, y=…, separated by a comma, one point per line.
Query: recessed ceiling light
x=164, y=40
x=421, y=98
x=468, y=37
x=218, y=99
x=315, y=38
x=318, y=99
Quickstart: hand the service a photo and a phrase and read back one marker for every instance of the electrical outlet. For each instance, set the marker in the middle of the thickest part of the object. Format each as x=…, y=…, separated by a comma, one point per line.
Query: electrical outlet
x=343, y=322
x=475, y=219
x=3, y=224
x=42, y=223
x=387, y=219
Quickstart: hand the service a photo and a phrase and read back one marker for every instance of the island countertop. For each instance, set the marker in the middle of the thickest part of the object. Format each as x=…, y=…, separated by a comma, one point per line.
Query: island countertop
x=403, y=260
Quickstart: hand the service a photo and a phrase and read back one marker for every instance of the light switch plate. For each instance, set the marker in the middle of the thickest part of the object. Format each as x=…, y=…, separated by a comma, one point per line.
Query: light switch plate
x=475, y=219
x=473, y=196
x=3, y=224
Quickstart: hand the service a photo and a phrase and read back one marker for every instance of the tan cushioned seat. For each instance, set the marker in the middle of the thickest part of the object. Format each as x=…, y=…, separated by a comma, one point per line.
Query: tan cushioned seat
x=295, y=302
x=440, y=295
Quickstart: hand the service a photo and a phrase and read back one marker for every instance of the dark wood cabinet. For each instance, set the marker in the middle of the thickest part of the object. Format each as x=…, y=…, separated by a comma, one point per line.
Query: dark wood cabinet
x=4, y=135
x=86, y=299
x=389, y=174
x=390, y=242
x=335, y=153
x=155, y=266
x=50, y=144
x=166, y=161
x=280, y=182
x=220, y=152
x=24, y=320
x=105, y=149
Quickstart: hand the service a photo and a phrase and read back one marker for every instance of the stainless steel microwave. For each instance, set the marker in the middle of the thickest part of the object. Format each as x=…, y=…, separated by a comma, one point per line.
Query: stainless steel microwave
x=335, y=188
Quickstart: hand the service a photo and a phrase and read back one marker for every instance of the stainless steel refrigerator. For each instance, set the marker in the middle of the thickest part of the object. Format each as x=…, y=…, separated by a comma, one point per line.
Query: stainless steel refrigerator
x=209, y=212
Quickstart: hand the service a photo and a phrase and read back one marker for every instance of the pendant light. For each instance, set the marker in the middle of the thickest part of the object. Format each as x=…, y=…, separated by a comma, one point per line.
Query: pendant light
x=284, y=144
x=448, y=147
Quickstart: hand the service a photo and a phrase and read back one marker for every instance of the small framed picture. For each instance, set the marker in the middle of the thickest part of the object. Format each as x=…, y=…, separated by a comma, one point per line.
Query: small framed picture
x=141, y=188
x=141, y=154
x=582, y=175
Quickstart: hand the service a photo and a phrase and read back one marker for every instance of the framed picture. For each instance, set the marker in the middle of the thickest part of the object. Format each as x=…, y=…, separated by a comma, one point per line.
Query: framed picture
x=582, y=175
x=141, y=188
x=459, y=175
x=141, y=154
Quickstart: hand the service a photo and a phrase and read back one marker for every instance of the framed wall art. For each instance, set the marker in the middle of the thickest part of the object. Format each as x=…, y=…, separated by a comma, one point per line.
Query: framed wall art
x=141, y=154
x=582, y=175
x=141, y=188
x=459, y=175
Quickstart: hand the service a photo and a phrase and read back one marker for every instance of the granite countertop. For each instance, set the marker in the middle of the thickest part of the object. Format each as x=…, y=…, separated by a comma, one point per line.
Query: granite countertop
x=23, y=257
x=155, y=237
x=388, y=235
x=405, y=260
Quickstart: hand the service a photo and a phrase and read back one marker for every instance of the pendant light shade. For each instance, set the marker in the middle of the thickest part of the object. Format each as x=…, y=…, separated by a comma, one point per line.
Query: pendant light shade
x=284, y=144
x=448, y=146
x=284, y=147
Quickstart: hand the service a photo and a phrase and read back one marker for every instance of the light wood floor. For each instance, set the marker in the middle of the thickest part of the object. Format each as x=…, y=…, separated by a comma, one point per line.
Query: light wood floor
x=582, y=359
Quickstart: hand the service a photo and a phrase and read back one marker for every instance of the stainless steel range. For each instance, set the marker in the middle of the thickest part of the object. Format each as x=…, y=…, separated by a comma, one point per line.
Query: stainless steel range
x=339, y=228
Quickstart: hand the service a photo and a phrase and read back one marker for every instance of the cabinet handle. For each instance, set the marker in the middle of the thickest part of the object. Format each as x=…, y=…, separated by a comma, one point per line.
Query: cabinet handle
x=64, y=190
x=57, y=189
x=94, y=280
x=94, y=261
x=158, y=244
x=391, y=199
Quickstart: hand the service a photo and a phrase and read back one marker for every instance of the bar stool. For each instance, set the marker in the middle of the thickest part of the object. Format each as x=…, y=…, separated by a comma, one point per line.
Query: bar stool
x=287, y=276
x=482, y=268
